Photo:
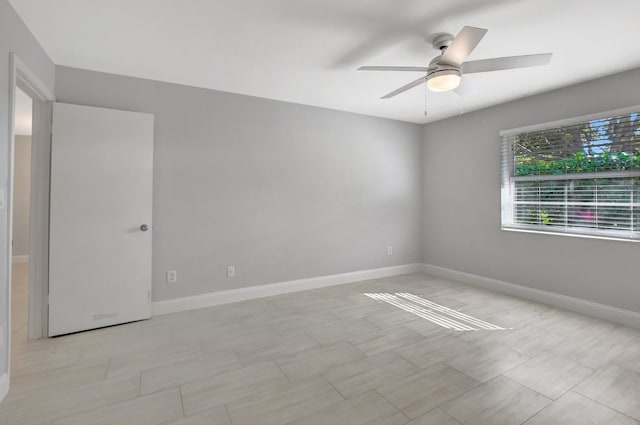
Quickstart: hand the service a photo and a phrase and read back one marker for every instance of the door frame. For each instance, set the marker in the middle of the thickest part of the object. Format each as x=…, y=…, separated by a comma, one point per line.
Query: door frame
x=20, y=74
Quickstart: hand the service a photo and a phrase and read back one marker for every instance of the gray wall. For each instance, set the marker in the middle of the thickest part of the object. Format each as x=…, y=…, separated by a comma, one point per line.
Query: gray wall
x=462, y=202
x=281, y=191
x=14, y=37
x=21, y=194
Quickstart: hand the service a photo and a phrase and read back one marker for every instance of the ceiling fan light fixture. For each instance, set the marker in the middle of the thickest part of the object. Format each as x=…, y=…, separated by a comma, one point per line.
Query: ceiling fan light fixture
x=444, y=80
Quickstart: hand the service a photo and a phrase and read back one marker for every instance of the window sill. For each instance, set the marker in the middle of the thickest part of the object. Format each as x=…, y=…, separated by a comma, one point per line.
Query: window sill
x=570, y=234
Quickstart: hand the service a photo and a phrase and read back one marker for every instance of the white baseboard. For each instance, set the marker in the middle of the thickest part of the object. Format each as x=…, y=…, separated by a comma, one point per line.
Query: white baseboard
x=260, y=291
x=578, y=305
x=20, y=259
x=4, y=385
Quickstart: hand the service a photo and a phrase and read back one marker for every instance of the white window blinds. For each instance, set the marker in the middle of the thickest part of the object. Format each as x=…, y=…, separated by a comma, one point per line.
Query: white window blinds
x=579, y=176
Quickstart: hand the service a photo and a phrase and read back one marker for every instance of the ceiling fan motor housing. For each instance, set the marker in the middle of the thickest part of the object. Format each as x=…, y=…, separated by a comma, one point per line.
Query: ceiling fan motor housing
x=443, y=70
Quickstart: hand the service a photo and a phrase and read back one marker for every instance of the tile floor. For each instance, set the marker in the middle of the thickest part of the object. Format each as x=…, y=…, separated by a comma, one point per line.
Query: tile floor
x=333, y=356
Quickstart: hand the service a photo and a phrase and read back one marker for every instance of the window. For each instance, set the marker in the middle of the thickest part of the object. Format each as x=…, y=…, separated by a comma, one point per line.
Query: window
x=580, y=176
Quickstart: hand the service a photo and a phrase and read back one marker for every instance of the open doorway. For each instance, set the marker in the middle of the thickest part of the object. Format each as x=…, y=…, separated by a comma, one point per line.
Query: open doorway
x=28, y=204
x=23, y=124
x=32, y=275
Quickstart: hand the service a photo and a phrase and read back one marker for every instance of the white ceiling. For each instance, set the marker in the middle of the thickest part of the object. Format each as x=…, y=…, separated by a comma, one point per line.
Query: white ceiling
x=306, y=51
x=24, y=107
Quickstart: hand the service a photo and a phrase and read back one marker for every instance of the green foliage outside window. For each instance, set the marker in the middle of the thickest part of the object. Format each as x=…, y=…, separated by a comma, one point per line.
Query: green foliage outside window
x=579, y=162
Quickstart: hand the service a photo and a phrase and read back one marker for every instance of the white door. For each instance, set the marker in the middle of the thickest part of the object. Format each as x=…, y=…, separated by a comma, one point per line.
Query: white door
x=100, y=226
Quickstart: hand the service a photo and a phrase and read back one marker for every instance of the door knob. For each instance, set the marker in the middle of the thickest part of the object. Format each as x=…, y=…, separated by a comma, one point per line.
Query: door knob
x=144, y=227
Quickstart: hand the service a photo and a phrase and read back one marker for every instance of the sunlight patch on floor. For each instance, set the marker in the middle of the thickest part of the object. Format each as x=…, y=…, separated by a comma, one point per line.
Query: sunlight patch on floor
x=440, y=315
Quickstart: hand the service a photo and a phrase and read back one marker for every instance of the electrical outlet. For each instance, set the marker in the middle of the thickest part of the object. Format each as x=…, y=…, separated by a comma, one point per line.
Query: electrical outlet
x=172, y=276
x=231, y=271
x=389, y=250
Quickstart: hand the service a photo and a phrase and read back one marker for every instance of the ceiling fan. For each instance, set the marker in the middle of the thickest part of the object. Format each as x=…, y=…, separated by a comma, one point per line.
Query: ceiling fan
x=445, y=71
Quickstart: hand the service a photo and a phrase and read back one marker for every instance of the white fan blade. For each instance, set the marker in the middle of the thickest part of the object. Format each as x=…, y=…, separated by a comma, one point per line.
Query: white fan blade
x=463, y=45
x=511, y=62
x=466, y=89
x=405, y=87
x=394, y=68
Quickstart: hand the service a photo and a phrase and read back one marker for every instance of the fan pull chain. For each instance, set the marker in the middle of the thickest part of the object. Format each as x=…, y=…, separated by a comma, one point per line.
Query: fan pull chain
x=425, y=100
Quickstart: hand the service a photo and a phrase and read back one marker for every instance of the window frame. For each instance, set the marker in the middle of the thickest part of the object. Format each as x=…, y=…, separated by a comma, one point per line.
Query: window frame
x=508, y=180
